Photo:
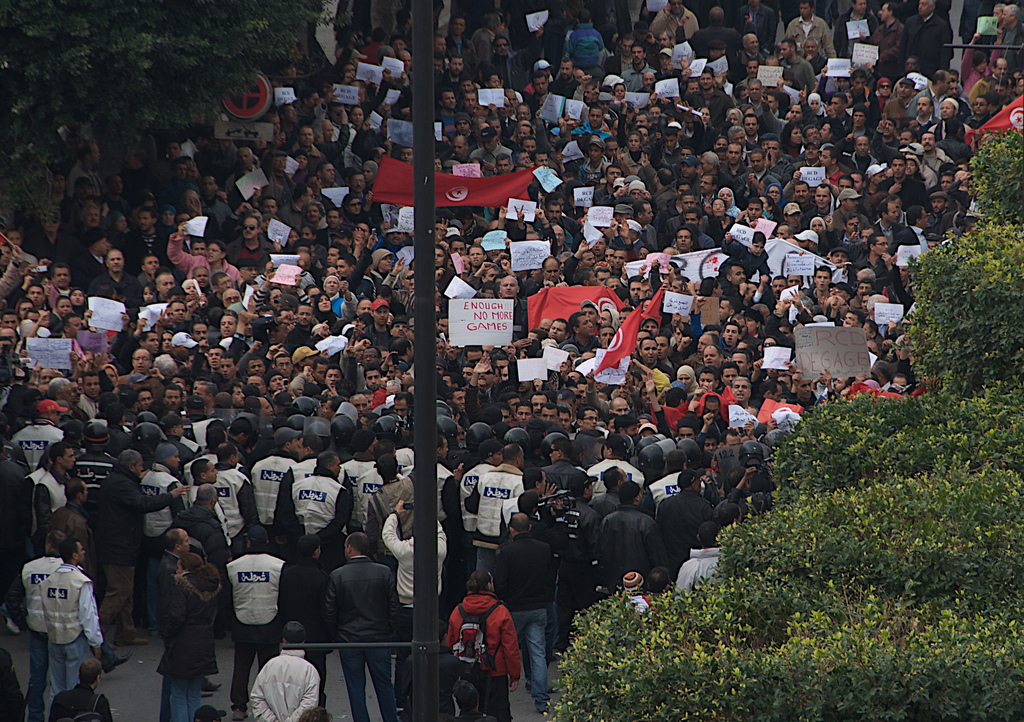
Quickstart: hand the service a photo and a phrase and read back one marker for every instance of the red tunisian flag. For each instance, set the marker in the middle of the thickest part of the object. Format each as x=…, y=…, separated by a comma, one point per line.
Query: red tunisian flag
x=624, y=341
x=1009, y=118
x=394, y=184
x=563, y=301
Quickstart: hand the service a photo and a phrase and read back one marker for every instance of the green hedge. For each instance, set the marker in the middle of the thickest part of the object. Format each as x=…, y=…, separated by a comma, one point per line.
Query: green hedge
x=965, y=329
x=996, y=177
x=868, y=441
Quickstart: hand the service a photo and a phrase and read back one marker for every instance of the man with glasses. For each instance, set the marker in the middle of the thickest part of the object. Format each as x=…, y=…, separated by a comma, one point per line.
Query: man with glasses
x=251, y=245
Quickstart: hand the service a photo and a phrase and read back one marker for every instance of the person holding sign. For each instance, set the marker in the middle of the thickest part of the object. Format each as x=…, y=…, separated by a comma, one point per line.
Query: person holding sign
x=854, y=25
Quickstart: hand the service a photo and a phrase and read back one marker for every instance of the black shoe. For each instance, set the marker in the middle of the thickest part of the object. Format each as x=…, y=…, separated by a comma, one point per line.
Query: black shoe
x=115, y=662
x=209, y=685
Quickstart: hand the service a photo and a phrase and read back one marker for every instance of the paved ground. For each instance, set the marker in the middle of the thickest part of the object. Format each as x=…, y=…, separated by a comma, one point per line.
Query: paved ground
x=134, y=688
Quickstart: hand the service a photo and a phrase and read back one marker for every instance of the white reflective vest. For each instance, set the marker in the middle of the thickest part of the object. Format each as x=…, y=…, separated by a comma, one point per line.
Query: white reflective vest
x=199, y=431
x=665, y=487
x=34, y=439
x=315, y=498
x=255, y=580
x=228, y=483
x=442, y=476
x=596, y=472
x=267, y=476
x=33, y=574
x=58, y=497
x=303, y=469
x=405, y=460
x=365, y=483
x=158, y=481
x=496, y=487
x=469, y=484
x=60, y=595
x=190, y=479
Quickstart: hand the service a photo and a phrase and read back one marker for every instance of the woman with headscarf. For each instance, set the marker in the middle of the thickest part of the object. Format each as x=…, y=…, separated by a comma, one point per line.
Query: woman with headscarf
x=773, y=197
x=718, y=221
x=731, y=209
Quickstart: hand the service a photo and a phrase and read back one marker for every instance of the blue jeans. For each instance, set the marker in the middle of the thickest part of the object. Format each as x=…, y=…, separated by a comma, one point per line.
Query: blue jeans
x=165, y=700
x=39, y=665
x=65, y=659
x=530, y=627
x=354, y=663
x=186, y=697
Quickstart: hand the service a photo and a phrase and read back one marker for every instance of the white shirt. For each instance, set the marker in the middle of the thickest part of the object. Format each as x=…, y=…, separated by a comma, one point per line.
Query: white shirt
x=286, y=687
x=703, y=564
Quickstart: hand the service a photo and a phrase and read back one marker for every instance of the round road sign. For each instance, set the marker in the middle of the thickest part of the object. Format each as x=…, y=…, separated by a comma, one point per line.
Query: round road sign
x=253, y=102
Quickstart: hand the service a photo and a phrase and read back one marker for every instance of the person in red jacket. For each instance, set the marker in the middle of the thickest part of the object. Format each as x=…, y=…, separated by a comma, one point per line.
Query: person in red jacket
x=498, y=673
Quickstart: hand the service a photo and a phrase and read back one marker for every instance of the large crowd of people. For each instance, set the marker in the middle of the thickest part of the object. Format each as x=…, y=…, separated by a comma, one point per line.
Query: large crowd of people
x=223, y=447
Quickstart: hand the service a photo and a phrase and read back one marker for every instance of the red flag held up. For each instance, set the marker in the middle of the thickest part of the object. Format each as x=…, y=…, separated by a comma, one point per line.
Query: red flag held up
x=394, y=184
x=624, y=341
x=1009, y=118
x=563, y=301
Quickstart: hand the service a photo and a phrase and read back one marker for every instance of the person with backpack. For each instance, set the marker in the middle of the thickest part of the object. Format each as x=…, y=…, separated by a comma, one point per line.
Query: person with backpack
x=482, y=634
x=83, y=703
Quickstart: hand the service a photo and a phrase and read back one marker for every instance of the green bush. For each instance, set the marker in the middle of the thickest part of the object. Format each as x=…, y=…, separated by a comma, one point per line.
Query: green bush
x=964, y=329
x=867, y=441
x=996, y=177
x=954, y=538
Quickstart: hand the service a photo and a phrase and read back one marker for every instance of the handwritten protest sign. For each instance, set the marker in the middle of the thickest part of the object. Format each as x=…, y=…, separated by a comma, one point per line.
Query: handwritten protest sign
x=106, y=314
x=776, y=357
x=885, y=312
x=494, y=240
x=600, y=216
x=770, y=75
x=280, y=259
x=547, y=178
x=677, y=303
x=491, y=96
x=857, y=29
x=50, y=353
x=278, y=232
x=797, y=265
x=529, y=255
x=583, y=197
x=905, y=253
x=519, y=209
x=370, y=73
x=467, y=170
x=287, y=275
x=864, y=54
x=532, y=368
x=459, y=289
x=555, y=357
x=739, y=417
x=535, y=21
x=814, y=176
x=251, y=182
x=840, y=351
x=480, y=321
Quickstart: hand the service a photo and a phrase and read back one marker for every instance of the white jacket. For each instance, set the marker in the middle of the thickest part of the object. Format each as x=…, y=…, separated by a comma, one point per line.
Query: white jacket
x=403, y=551
x=286, y=687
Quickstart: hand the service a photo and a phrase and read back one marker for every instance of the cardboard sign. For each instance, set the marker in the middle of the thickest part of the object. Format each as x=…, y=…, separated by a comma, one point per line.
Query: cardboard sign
x=770, y=75
x=467, y=170
x=480, y=321
x=885, y=312
x=519, y=209
x=677, y=303
x=50, y=353
x=776, y=357
x=840, y=351
x=530, y=369
x=864, y=54
x=529, y=255
x=106, y=314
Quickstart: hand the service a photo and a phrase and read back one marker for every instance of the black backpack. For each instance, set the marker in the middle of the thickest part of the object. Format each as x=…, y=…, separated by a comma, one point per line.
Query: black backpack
x=471, y=646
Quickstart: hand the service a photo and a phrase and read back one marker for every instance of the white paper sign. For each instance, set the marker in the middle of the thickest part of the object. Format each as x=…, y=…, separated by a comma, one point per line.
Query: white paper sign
x=335, y=195
x=406, y=219
x=857, y=29
x=529, y=255
x=282, y=259
x=590, y=234
x=885, y=312
x=284, y=96
x=400, y=131
x=720, y=66
x=813, y=175
x=376, y=119
x=251, y=182
x=639, y=100
x=668, y=88
x=532, y=368
x=776, y=357
x=535, y=21
x=106, y=314
x=392, y=96
x=407, y=254
x=769, y=75
x=740, y=417
x=838, y=68
x=555, y=357
x=743, y=234
x=491, y=96
x=521, y=209
x=614, y=376
x=797, y=265
x=291, y=166
x=279, y=232
x=583, y=197
x=197, y=226
x=656, y=6
x=571, y=151
x=50, y=353
x=369, y=73
x=680, y=52
x=396, y=66
x=480, y=321
x=346, y=94
x=574, y=108
x=677, y=303
x=864, y=54
x=551, y=110
x=332, y=345
x=150, y=314
x=697, y=66
x=459, y=289
x=547, y=178
x=698, y=265
x=905, y=253
x=600, y=216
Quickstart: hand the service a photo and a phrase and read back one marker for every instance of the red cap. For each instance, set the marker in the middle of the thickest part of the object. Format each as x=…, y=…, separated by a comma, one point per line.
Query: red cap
x=380, y=302
x=47, y=406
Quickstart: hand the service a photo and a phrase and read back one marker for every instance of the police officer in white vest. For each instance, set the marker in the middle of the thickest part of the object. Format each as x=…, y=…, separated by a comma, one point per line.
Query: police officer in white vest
x=160, y=480
x=71, y=617
x=362, y=463
x=49, y=490
x=669, y=485
x=34, y=439
x=255, y=580
x=501, y=484
x=320, y=504
x=235, y=496
x=312, y=445
x=616, y=451
x=25, y=606
x=267, y=474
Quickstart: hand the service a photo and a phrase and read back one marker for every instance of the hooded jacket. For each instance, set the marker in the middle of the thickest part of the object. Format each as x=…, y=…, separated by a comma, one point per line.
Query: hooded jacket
x=500, y=632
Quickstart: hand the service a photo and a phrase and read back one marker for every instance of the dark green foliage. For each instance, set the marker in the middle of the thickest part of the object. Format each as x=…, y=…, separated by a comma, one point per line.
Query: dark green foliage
x=996, y=177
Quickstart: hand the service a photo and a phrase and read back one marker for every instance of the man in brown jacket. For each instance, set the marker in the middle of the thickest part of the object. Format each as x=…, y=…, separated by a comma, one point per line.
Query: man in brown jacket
x=72, y=519
x=887, y=37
